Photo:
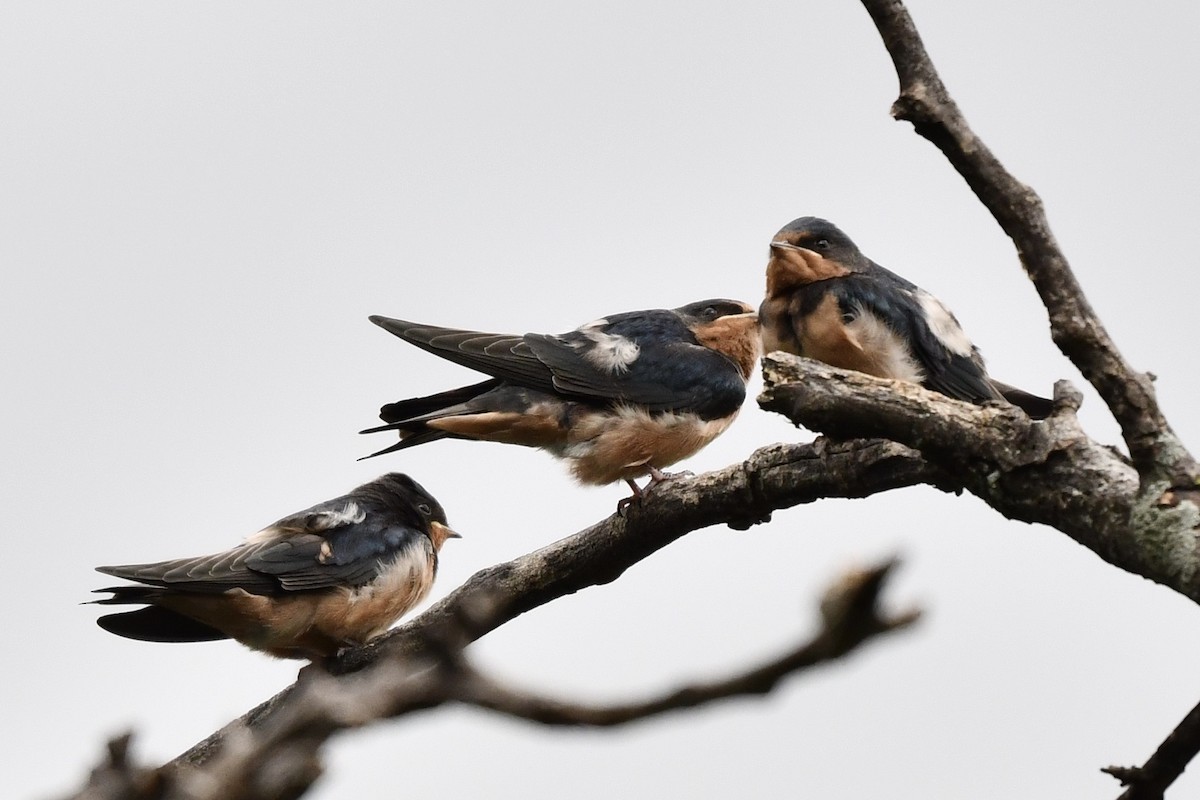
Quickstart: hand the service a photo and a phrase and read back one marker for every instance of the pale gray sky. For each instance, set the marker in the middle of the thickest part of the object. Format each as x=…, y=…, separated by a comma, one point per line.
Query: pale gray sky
x=202, y=203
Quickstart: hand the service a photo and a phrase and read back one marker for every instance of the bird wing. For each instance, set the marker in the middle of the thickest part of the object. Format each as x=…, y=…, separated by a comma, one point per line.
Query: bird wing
x=950, y=362
x=955, y=367
x=501, y=356
x=665, y=376
x=336, y=543
x=213, y=574
x=644, y=358
x=350, y=555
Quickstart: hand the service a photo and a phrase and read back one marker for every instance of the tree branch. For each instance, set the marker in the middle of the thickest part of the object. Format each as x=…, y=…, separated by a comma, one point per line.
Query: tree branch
x=1074, y=325
x=1149, y=781
x=281, y=757
x=1148, y=528
x=850, y=616
x=774, y=477
x=1049, y=472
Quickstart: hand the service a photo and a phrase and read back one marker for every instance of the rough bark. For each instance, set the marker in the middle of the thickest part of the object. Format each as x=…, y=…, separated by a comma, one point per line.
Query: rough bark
x=1049, y=472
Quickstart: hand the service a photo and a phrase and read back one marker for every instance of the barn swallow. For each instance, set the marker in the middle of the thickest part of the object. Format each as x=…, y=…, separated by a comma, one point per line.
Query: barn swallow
x=332, y=576
x=619, y=398
x=828, y=301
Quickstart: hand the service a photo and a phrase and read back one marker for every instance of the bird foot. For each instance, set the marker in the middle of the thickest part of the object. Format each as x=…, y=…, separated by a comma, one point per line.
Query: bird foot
x=639, y=495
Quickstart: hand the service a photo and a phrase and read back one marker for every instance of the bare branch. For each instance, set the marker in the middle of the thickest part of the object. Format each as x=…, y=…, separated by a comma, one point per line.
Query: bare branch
x=1147, y=529
x=1049, y=472
x=850, y=616
x=777, y=476
x=1149, y=781
x=1075, y=327
x=281, y=757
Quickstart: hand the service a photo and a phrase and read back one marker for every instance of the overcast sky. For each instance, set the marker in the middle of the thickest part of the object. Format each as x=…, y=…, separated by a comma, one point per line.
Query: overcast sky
x=202, y=202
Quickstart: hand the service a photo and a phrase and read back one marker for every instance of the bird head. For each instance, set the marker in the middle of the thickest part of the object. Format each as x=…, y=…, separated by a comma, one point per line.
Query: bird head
x=727, y=326
x=810, y=249
x=414, y=504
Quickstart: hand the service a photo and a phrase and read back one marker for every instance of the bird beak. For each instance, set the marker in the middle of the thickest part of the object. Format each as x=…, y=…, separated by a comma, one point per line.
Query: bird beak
x=778, y=245
x=444, y=531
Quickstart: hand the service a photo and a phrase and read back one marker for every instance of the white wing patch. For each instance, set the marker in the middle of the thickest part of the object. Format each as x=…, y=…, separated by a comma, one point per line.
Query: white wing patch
x=350, y=514
x=944, y=326
x=610, y=353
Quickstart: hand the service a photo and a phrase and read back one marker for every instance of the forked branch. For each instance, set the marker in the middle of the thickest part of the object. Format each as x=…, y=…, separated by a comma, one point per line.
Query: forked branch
x=1074, y=325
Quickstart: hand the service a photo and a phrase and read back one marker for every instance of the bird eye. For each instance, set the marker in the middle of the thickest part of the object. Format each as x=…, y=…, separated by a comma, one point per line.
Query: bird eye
x=424, y=509
x=823, y=244
x=709, y=312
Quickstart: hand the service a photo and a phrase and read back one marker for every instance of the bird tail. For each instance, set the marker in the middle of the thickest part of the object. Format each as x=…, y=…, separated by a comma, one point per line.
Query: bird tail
x=409, y=416
x=152, y=623
x=407, y=439
x=128, y=595
x=156, y=624
x=404, y=410
x=1035, y=406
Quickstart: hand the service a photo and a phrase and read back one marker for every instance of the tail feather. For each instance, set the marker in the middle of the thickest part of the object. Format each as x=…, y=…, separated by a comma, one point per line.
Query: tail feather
x=412, y=440
x=420, y=406
x=490, y=411
x=126, y=595
x=409, y=416
x=156, y=624
x=1035, y=406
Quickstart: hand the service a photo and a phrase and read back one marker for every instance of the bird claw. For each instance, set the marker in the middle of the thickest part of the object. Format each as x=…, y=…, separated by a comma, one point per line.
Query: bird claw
x=638, y=497
x=657, y=476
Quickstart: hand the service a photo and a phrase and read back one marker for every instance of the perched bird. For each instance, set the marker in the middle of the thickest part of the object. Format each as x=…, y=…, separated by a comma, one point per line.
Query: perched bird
x=828, y=301
x=329, y=577
x=618, y=398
